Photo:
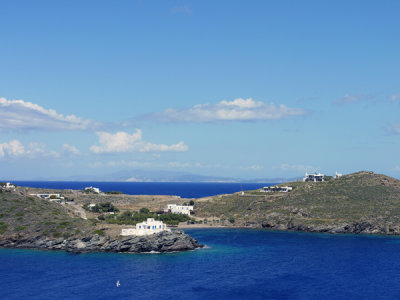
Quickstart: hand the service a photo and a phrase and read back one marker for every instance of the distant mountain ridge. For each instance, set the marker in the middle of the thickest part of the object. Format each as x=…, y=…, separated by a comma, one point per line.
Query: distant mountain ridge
x=157, y=176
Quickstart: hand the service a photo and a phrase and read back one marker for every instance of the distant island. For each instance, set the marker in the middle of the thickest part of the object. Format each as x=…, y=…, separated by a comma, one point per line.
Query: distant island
x=90, y=220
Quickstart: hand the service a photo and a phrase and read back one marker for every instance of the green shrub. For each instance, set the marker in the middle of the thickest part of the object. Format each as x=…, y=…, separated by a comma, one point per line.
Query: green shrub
x=99, y=232
x=144, y=210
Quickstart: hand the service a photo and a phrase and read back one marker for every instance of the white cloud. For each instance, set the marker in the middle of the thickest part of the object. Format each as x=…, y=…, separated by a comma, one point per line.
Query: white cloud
x=15, y=149
x=236, y=110
x=21, y=115
x=124, y=142
x=70, y=150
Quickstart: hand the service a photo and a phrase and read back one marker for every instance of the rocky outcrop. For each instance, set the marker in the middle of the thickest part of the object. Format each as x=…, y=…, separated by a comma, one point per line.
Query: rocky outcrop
x=361, y=227
x=166, y=241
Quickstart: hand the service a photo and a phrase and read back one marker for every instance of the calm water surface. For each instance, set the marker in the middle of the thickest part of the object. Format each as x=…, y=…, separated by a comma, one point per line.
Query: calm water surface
x=182, y=189
x=237, y=264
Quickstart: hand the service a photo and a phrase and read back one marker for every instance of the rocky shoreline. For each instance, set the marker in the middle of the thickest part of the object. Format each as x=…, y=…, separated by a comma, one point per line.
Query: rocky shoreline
x=166, y=241
x=362, y=227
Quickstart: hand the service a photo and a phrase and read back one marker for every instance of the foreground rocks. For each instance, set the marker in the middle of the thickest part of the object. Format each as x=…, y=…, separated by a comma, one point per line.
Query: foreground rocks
x=166, y=241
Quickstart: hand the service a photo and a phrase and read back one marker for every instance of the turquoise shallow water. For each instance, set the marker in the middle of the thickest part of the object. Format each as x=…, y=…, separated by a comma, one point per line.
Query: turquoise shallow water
x=236, y=264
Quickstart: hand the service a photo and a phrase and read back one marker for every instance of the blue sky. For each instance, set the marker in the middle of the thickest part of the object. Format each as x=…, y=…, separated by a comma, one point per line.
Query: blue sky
x=224, y=88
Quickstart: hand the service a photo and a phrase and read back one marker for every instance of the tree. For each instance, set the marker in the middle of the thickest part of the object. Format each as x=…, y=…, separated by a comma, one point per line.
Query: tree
x=191, y=202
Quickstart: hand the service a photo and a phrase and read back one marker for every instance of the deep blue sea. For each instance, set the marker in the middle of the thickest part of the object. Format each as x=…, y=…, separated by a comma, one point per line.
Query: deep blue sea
x=183, y=189
x=237, y=264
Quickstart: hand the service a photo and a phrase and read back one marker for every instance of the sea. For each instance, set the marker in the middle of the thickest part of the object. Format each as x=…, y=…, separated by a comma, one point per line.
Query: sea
x=182, y=189
x=234, y=264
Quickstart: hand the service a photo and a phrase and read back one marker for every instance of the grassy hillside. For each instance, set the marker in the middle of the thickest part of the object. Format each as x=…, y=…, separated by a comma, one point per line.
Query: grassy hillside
x=358, y=197
x=27, y=216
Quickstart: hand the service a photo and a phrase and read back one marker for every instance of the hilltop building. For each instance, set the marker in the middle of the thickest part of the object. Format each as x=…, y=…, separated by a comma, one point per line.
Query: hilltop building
x=92, y=189
x=180, y=209
x=148, y=227
x=8, y=187
x=282, y=189
x=337, y=175
x=314, y=177
x=51, y=197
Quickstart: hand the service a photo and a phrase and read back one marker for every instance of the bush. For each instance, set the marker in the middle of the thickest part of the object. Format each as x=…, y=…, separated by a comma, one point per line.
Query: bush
x=99, y=232
x=102, y=207
x=232, y=220
x=114, y=193
x=144, y=210
x=191, y=202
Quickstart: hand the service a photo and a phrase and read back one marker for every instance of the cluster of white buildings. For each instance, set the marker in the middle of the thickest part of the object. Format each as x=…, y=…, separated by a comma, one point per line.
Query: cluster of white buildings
x=314, y=177
x=282, y=189
x=319, y=177
x=150, y=226
x=51, y=197
x=92, y=189
x=180, y=209
x=8, y=187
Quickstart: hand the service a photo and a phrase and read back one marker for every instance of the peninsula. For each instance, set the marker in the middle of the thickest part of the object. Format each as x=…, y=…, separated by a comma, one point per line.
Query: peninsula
x=28, y=221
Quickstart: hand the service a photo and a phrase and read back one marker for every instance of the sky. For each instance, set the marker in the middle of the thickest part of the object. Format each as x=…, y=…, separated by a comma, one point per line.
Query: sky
x=244, y=89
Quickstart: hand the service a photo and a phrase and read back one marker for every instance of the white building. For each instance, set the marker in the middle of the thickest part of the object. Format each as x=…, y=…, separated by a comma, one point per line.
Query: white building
x=282, y=189
x=49, y=196
x=180, y=209
x=314, y=177
x=8, y=187
x=148, y=227
x=92, y=189
x=338, y=175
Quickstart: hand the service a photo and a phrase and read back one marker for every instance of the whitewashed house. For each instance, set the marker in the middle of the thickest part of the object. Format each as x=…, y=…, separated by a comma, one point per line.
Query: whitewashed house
x=49, y=196
x=9, y=187
x=180, y=209
x=92, y=189
x=314, y=177
x=282, y=189
x=148, y=227
x=338, y=175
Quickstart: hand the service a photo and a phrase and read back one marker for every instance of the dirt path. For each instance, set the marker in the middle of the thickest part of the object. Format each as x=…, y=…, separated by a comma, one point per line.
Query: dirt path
x=78, y=210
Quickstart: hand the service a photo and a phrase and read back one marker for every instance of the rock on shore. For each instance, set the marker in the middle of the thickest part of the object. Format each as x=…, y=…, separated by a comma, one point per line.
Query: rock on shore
x=166, y=241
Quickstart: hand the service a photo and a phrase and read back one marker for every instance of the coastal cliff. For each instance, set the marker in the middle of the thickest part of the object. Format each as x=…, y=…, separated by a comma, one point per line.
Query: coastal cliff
x=166, y=241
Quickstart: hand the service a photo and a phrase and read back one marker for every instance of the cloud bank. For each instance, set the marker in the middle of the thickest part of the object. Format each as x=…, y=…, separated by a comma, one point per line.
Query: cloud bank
x=21, y=115
x=15, y=148
x=124, y=142
x=236, y=110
